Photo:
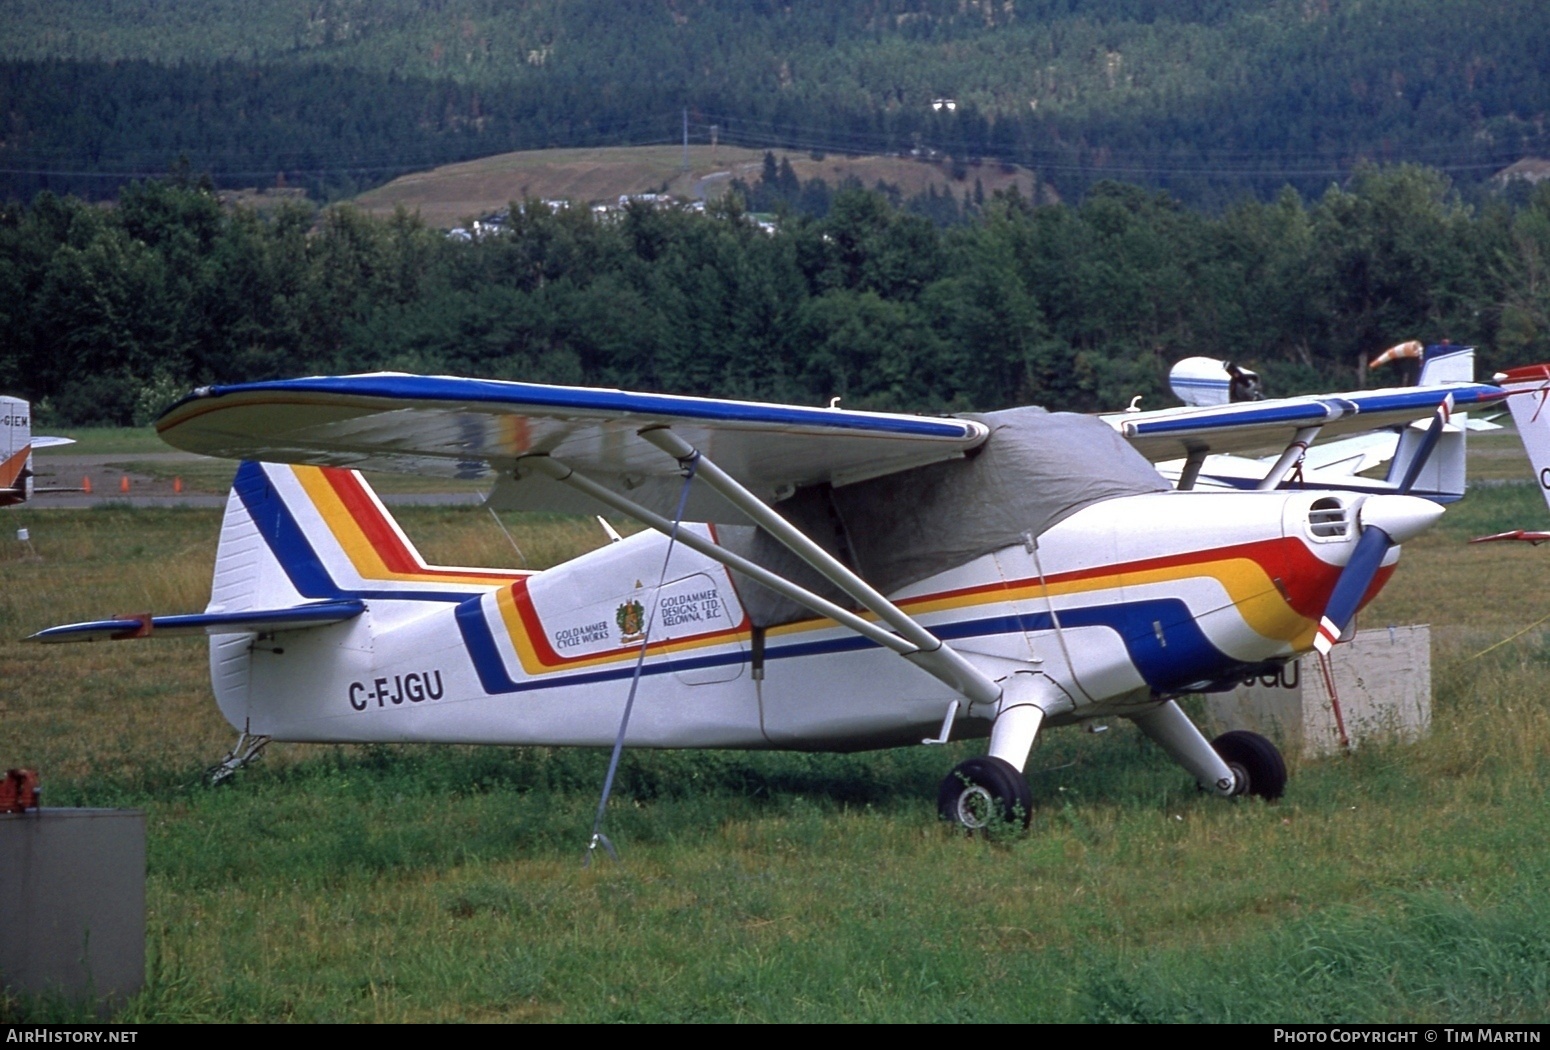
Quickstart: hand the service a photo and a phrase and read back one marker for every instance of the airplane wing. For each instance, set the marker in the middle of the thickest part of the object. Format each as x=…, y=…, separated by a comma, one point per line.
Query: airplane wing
x=50, y=442
x=477, y=428
x=1250, y=426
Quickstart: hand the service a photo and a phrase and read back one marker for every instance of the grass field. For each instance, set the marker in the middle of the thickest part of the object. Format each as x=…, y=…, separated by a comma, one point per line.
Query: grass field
x=419, y=884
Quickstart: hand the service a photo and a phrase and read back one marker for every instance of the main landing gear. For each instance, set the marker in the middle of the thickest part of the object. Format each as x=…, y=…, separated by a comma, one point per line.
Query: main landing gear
x=991, y=789
x=1256, y=764
x=984, y=791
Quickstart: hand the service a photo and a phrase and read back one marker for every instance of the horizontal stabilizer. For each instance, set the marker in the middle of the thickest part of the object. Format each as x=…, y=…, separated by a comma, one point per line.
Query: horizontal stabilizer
x=1522, y=535
x=295, y=618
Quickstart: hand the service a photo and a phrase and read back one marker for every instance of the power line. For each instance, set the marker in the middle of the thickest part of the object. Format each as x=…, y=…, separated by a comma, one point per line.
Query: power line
x=1081, y=159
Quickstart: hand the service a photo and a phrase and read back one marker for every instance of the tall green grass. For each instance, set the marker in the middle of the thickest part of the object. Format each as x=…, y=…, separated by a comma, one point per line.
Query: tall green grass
x=419, y=883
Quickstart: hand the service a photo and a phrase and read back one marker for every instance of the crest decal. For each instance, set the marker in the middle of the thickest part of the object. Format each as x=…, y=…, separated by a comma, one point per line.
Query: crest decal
x=631, y=618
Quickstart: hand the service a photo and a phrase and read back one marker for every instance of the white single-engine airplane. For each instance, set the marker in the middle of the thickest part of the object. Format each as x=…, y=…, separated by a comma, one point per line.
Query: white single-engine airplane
x=850, y=580
x=16, y=445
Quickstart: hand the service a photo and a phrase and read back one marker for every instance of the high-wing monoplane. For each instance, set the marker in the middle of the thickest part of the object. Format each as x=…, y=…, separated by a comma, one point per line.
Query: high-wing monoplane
x=816, y=579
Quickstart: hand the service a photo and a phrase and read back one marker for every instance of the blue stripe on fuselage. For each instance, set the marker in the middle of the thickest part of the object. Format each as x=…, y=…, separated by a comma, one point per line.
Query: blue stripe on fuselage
x=1184, y=657
x=1187, y=657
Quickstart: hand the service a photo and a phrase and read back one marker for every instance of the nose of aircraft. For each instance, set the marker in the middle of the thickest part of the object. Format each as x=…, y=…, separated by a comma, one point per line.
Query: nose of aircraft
x=1402, y=517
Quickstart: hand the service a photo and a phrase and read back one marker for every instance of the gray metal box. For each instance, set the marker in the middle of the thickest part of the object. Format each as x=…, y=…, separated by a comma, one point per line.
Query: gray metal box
x=72, y=902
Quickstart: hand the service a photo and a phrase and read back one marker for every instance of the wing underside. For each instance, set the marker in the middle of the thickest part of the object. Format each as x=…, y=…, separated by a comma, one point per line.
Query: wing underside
x=473, y=429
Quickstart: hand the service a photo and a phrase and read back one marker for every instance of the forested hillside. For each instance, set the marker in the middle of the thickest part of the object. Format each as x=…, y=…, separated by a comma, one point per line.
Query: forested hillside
x=1207, y=98
x=108, y=314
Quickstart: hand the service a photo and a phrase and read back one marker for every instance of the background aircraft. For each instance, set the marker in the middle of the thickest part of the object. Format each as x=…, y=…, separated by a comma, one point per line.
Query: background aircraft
x=1528, y=389
x=1439, y=462
x=849, y=580
x=16, y=445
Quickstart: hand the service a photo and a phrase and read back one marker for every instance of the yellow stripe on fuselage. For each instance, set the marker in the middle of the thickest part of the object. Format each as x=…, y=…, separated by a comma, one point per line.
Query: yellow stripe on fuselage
x=1244, y=580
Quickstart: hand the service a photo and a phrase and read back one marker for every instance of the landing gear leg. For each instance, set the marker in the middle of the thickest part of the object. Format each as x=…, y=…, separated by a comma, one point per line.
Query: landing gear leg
x=246, y=749
x=991, y=788
x=1172, y=730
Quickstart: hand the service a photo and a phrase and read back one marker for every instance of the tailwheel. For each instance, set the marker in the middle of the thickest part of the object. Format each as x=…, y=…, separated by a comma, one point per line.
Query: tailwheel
x=1255, y=763
x=985, y=791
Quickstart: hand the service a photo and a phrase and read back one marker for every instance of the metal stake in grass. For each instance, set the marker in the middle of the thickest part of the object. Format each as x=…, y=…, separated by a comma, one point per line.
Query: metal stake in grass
x=598, y=838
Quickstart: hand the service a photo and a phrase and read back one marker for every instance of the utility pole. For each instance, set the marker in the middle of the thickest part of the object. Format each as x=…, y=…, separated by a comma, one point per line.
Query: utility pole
x=686, y=140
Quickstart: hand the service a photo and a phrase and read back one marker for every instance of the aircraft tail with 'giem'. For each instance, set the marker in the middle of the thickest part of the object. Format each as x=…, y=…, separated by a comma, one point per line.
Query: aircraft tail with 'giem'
x=16, y=445
x=15, y=451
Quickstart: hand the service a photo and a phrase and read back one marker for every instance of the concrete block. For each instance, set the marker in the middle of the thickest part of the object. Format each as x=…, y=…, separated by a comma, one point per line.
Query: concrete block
x=1382, y=677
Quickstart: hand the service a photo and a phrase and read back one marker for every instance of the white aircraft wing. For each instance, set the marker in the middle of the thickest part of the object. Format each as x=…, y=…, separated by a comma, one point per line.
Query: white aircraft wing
x=1251, y=426
x=476, y=428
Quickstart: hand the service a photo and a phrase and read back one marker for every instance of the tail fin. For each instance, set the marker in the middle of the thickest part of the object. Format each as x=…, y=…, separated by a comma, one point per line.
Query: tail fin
x=1528, y=390
x=1444, y=475
x=15, y=451
x=296, y=533
x=1446, y=363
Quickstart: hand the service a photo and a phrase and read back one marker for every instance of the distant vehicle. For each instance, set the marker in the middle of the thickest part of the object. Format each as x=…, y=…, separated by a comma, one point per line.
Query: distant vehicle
x=16, y=445
x=819, y=579
x=1203, y=381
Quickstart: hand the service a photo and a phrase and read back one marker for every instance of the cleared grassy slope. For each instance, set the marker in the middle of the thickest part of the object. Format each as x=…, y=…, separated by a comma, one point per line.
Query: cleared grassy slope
x=446, y=196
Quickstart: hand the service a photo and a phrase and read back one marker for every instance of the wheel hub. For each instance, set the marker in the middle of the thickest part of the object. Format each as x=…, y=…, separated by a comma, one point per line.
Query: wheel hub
x=976, y=807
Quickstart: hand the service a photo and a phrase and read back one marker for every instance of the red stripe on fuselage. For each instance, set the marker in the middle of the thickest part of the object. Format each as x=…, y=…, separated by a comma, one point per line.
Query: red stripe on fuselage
x=1305, y=579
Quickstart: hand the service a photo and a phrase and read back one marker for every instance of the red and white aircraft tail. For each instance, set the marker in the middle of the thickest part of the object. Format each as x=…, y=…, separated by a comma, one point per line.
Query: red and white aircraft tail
x=1528, y=391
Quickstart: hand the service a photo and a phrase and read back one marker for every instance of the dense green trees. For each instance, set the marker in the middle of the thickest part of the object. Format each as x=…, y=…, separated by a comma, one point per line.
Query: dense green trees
x=106, y=312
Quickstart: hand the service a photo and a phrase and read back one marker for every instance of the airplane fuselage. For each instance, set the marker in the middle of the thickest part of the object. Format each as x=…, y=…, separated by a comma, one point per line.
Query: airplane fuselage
x=1121, y=603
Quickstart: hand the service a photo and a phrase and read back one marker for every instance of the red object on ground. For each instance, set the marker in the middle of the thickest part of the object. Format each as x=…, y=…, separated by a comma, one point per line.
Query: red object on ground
x=123, y=485
x=177, y=485
x=19, y=791
x=86, y=484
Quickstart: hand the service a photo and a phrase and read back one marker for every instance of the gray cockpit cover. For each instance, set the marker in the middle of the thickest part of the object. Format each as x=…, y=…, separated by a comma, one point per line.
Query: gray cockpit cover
x=1035, y=469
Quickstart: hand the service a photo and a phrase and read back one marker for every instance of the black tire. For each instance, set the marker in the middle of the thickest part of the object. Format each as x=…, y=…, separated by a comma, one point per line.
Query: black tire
x=985, y=791
x=1254, y=761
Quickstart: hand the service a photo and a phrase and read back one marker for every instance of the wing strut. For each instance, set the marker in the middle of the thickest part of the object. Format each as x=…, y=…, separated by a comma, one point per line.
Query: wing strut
x=1295, y=450
x=1191, y=472
x=932, y=654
